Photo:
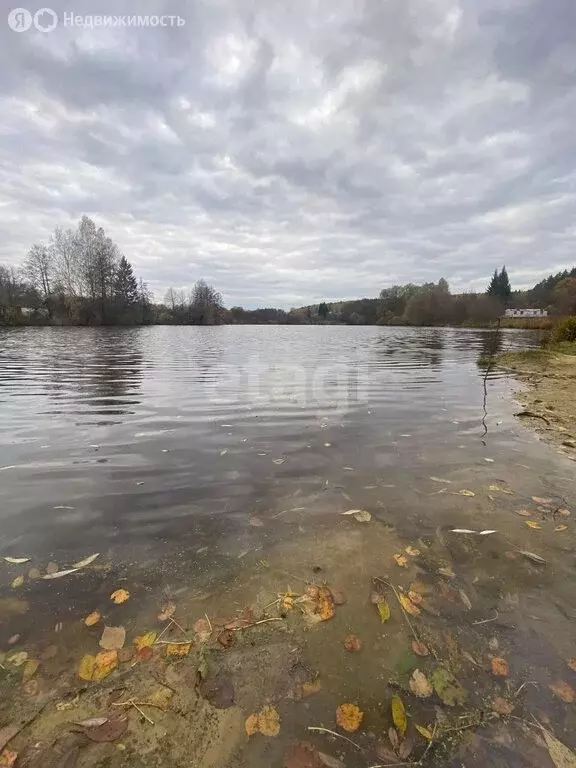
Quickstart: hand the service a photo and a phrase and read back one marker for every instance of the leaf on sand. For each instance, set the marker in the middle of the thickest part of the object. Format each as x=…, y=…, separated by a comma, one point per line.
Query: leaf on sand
x=167, y=611
x=401, y=561
x=408, y=605
x=349, y=717
x=145, y=641
x=86, y=561
x=30, y=668
x=560, y=528
x=466, y=493
x=447, y=687
x=266, y=722
x=360, y=515
x=113, y=638
x=352, y=644
x=563, y=691
x=96, y=668
x=383, y=611
x=109, y=730
x=119, y=596
x=531, y=556
x=18, y=582
x=532, y=524
x=423, y=731
x=92, y=618
x=419, y=685
x=329, y=761
x=399, y=714
x=412, y=552
x=17, y=560
x=539, y=500
x=561, y=756
x=502, y=706
x=311, y=687
x=182, y=649
x=499, y=667
x=419, y=648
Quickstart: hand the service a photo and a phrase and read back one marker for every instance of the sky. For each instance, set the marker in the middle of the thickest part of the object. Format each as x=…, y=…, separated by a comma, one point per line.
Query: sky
x=289, y=151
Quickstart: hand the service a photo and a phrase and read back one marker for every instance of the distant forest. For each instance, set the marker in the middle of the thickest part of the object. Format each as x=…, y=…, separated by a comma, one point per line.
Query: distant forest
x=81, y=278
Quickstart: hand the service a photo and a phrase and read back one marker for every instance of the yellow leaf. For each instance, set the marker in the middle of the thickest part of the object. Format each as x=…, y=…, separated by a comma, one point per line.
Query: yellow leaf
x=312, y=687
x=349, y=717
x=119, y=596
x=18, y=582
x=561, y=756
x=383, y=611
x=532, y=524
x=267, y=722
x=325, y=604
x=86, y=669
x=251, y=725
x=423, y=731
x=104, y=663
x=401, y=560
x=412, y=552
x=178, y=650
x=30, y=669
x=399, y=714
x=408, y=605
x=467, y=493
x=145, y=641
x=92, y=619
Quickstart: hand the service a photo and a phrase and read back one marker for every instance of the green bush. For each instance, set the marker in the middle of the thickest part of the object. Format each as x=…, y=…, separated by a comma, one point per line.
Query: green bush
x=565, y=330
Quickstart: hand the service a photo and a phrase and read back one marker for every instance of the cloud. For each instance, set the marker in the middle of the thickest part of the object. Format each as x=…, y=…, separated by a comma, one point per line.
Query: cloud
x=290, y=152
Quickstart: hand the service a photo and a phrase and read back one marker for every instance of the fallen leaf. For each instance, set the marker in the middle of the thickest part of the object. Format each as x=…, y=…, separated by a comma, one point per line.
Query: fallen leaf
x=330, y=762
x=13, y=640
x=561, y=756
x=572, y=664
x=399, y=714
x=440, y=480
x=311, y=687
x=8, y=758
x=227, y=638
x=467, y=493
x=325, y=604
x=167, y=611
x=92, y=722
x=52, y=568
x=465, y=599
x=160, y=697
x=385, y=754
x=127, y=654
x=113, y=638
x=447, y=687
x=532, y=524
x=92, y=618
x=419, y=648
x=18, y=582
x=499, y=667
x=415, y=597
x=30, y=669
x=302, y=755
x=144, y=654
x=412, y=552
x=17, y=560
x=360, y=515
x=119, y=596
x=17, y=659
x=203, y=630
x=34, y=573
x=349, y=717
x=533, y=557
x=409, y=606
x=145, y=641
x=406, y=748
x=86, y=561
x=447, y=572
x=524, y=512
x=110, y=730
x=218, y=690
x=423, y=731
x=352, y=644
x=104, y=663
x=401, y=560
x=59, y=574
x=564, y=512
x=419, y=685
x=178, y=649
x=563, y=691
x=86, y=668
x=499, y=489
x=538, y=500
x=393, y=736
x=560, y=528
x=502, y=706
x=378, y=592
x=267, y=722
x=383, y=611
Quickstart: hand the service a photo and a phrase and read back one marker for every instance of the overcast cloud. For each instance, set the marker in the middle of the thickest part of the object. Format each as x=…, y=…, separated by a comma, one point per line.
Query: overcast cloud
x=297, y=150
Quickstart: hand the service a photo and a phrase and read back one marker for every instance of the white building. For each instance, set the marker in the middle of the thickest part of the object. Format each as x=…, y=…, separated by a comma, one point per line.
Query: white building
x=526, y=313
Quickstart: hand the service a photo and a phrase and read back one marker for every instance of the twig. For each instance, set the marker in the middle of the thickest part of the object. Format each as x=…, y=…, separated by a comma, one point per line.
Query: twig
x=486, y=621
x=475, y=724
x=144, y=715
x=209, y=623
x=182, y=628
x=528, y=682
x=132, y=703
x=333, y=733
x=404, y=613
x=255, y=624
x=173, y=642
x=421, y=761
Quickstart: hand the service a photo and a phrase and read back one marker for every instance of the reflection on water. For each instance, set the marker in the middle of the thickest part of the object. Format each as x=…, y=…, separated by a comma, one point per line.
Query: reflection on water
x=162, y=432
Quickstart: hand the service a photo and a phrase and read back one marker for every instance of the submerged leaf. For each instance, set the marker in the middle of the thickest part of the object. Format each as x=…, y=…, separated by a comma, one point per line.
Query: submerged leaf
x=86, y=668
x=59, y=574
x=412, y=552
x=352, y=644
x=180, y=649
x=533, y=557
x=18, y=582
x=539, y=500
x=104, y=663
x=349, y=717
x=465, y=599
x=532, y=524
x=218, y=690
x=499, y=667
x=399, y=714
x=109, y=730
x=561, y=756
x=524, y=513
x=560, y=528
x=401, y=560
x=145, y=641
x=167, y=611
x=447, y=687
x=30, y=668
x=113, y=638
x=563, y=691
x=419, y=685
x=423, y=731
x=409, y=606
x=502, y=706
x=383, y=611
x=419, y=648
x=267, y=722
x=92, y=618
x=86, y=561
x=467, y=493
x=17, y=560
x=202, y=629
x=119, y=596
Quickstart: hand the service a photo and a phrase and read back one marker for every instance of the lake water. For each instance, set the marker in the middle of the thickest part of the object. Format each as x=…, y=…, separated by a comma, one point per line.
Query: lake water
x=192, y=458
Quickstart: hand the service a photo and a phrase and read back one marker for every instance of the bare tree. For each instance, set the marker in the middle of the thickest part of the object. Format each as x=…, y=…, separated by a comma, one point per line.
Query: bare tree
x=39, y=269
x=205, y=304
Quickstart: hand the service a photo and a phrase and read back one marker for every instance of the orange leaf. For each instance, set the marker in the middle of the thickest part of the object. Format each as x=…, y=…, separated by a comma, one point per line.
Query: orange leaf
x=563, y=691
x=251, y=725
x=104, y=663
x=178, y=649
x=419, y=648
x=312, y=687
x=119, y=596
x=401, y=560
x=352, y=643
x=572, y=664
x=502, y=706
x=415, y=597
x=267, y=722
x=349, y=717
x=499, y=667
x=92, y=619
x=325, y=604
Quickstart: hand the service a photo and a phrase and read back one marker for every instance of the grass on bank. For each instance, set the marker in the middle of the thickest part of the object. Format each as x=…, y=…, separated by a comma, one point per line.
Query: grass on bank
x=561, y=341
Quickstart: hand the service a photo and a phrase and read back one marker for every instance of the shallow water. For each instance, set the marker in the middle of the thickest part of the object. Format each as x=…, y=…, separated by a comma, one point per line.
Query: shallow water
x=209, y=465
